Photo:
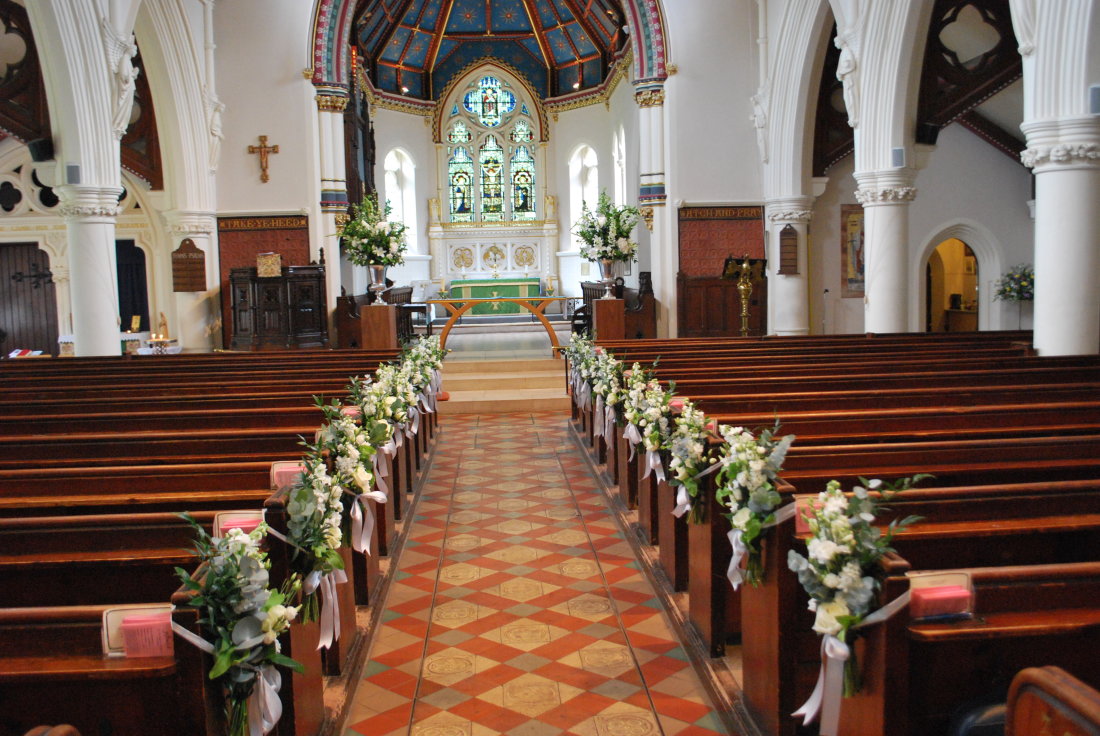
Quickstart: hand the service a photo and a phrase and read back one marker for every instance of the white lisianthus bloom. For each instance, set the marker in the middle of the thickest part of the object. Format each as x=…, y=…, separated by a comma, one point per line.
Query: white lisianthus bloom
x=741, y=518
x=827, y=613
x=362, y=478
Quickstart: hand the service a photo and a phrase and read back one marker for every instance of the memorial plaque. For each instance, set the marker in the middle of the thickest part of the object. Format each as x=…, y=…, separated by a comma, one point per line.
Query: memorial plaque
x=188, y=267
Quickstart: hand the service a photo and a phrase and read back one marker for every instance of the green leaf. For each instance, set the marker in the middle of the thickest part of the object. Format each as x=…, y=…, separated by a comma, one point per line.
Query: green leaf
x=285, y=661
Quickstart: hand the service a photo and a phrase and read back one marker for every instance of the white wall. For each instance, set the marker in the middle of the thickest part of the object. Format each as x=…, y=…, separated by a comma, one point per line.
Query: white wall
x=712, y=150
x=966, y=180
x=265, y=93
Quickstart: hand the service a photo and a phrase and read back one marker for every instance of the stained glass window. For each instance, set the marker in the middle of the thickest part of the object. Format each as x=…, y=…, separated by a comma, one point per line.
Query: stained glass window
x=523, y=184
x=460, y=177
x=521, y=132
x=459, y=133
x=491, y=160
x=489, y=101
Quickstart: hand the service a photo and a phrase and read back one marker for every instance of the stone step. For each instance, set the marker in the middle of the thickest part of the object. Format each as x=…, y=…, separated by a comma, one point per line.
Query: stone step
x=489, y=367
x=504, y=401
x=516, y=381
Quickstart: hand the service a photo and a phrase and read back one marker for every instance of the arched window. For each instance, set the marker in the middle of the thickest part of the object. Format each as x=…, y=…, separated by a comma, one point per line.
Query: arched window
x=619, y=155
x=583, y=183
x=400, y=189
x=492, y=166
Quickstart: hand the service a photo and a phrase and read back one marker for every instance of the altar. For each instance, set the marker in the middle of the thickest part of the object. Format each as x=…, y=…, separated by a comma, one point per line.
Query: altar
x=495, y=289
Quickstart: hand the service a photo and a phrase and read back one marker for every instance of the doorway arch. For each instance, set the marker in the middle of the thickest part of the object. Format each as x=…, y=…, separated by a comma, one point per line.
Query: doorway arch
x=951, y=288
x=989, y=261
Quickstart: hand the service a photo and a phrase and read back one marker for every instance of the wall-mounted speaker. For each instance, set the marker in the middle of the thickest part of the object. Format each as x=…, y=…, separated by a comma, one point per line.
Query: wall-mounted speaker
x=1094, y=99
x=41, y=149
x=897, y=158
x=72, y=173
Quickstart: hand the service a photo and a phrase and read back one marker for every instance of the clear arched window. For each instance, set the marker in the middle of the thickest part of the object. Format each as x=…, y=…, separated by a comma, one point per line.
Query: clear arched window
x=400, y=189
x=583, y=184
x=491, y=139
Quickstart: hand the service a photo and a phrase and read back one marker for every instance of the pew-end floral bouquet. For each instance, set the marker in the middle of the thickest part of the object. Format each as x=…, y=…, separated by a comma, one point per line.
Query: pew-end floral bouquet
x=841, y=566
x=688, y=446
x=242, y=618
x=746, y=485
x=315, y=519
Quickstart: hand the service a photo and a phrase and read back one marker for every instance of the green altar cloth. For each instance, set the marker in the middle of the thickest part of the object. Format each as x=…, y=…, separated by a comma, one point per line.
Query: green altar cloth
x=490, y=288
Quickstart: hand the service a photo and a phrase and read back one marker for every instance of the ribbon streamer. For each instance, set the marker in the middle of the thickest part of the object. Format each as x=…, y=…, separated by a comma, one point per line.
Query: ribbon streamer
x=597, y=425
x=653, y=462
x=382, y=471
x=362, y=520
x=413, y=426
x=782, y=514
x=264, y=706
x=609, y=424
x=683, y=502
x=829, y=690
x=633, y=437
x=330, y=603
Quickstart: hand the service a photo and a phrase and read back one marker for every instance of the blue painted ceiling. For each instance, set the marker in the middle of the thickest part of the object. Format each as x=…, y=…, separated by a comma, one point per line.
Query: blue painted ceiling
x=415, y=47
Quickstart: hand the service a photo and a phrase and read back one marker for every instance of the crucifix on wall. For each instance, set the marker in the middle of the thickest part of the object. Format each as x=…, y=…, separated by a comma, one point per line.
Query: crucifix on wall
x=264, y=150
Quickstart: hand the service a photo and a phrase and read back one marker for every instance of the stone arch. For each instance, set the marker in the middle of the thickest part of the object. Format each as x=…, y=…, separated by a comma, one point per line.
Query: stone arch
x=989, y=253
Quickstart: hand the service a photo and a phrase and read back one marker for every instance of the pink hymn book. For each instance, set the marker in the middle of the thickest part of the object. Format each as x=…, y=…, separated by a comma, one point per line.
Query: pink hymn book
x=245, y=525
x=938, y=601
x=147, y=635
x=284, y=473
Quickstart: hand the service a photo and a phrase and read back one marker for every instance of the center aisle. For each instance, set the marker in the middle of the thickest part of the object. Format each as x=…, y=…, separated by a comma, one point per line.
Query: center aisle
x=517, y=607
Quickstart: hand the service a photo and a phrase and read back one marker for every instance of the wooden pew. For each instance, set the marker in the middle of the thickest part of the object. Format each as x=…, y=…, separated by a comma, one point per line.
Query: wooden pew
x=52, y=669
x=1024, y=616
x=778, y=645
x=1049, y=699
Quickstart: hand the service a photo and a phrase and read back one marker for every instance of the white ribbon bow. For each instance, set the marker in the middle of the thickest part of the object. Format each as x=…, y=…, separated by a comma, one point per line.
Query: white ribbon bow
x=264, y=706
x=683, y=502
x=633, y=437
x=782, y=514
x=425, y=399
x=829, y=690
x=382, y=471
x=330, y=603
x=653, y=462
x=413, y=426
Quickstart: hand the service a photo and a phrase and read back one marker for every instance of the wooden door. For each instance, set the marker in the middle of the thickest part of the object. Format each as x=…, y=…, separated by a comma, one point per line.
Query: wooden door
x=28, y=300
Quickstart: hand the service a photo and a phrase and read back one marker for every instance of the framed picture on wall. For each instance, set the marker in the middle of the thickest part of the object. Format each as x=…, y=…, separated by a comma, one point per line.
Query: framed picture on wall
x=851, y=250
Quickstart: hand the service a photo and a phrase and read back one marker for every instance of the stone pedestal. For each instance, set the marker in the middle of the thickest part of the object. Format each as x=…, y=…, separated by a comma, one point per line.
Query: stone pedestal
x=609, y=319
x=379, y=327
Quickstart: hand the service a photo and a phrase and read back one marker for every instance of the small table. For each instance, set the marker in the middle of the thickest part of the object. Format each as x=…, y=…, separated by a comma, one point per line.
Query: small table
x=536, y=305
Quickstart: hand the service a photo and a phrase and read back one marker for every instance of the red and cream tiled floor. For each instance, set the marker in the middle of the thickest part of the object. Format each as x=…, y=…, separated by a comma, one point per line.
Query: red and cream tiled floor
x=517, y=607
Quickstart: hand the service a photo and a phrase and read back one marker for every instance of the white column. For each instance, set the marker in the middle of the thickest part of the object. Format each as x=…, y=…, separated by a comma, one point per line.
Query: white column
x=334, y=189
x=1065, y=155
x=196, y=324
x=89, y=214
x=652, y=196
x=885, y=196
x=788, y=294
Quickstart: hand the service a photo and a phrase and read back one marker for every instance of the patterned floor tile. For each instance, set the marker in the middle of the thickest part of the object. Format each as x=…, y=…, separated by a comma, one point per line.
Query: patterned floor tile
x=517, y=607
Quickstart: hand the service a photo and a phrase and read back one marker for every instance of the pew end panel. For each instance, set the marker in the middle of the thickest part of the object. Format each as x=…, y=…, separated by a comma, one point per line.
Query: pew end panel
x=1049, y=699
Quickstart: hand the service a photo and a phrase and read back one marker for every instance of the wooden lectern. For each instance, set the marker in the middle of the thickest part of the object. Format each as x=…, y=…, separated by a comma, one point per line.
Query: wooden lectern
x=609, y=319
x=378, y=325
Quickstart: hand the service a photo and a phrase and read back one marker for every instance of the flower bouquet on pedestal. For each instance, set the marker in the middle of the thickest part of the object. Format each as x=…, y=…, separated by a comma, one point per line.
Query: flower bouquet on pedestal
x=1018, y=285
x=605, y=233
x=373, y=241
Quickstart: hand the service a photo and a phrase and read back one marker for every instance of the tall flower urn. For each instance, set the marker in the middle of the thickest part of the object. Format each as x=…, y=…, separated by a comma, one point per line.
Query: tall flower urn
x=378, y=281
x=605, y=233
x=607, y=276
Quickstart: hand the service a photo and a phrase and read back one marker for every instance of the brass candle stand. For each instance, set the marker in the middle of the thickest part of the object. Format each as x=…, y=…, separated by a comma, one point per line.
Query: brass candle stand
x=746, y=272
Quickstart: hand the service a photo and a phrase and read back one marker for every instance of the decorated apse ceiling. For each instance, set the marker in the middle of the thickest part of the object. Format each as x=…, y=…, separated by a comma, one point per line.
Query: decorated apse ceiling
x=415, y=47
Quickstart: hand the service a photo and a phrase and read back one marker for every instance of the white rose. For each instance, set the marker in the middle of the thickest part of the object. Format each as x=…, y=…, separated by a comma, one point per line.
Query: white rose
x=827, y=613
x=741, y=518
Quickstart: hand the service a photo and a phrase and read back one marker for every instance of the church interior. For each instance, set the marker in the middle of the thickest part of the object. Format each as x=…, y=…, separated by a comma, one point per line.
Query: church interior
x=809, y=446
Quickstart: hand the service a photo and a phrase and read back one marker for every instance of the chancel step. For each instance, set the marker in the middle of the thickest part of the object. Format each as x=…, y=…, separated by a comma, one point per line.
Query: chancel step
x=504, y=386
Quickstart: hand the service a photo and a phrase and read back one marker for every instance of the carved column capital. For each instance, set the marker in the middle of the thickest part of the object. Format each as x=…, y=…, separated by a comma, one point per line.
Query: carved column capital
x=885, y=195
x=331, y=103
x=647, y=217
x=183, y=224
x=797, y=217
x=1064, y=154
x=650, y=97
x=79, y=201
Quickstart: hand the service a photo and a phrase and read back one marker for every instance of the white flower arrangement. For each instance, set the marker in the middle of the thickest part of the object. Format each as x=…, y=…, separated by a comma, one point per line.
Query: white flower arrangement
x=606, y=231
x=690, y=457
x=842, y=558
x=745, y=485
x=371, y=240
x=241, y=616
x=315, y=514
